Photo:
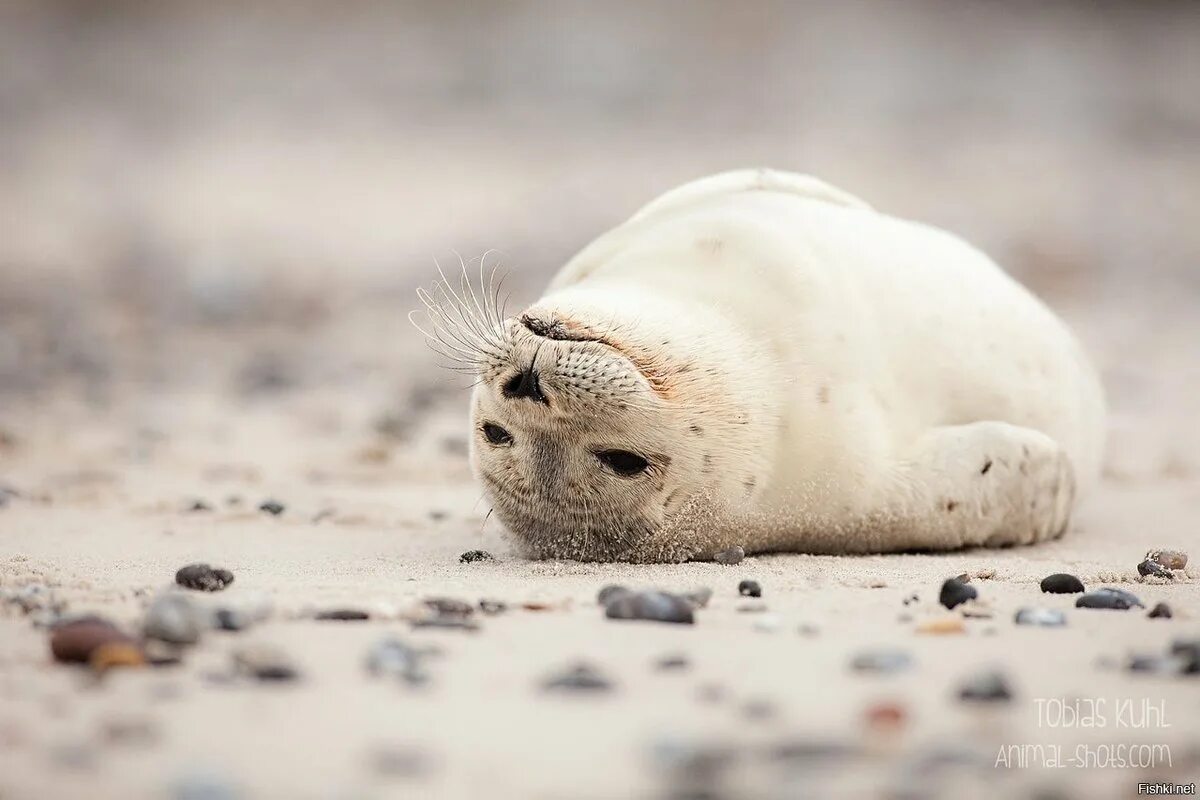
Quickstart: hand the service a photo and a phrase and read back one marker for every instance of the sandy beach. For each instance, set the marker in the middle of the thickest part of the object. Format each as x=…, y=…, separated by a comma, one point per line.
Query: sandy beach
x=208, y=250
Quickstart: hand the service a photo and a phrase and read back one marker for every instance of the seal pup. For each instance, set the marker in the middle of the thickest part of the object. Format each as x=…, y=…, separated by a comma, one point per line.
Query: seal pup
x=758, y=358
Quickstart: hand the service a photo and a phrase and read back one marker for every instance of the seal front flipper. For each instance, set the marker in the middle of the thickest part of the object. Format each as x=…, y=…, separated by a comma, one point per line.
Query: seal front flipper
x=983, y=483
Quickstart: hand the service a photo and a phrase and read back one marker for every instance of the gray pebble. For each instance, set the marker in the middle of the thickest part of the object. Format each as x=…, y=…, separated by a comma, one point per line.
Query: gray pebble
x=446, y=621
x=611, y=592
x=492, y=607
x=1155, y=664
x=749, y=589
x=987, y=687
x=731, y=556
x=579, y=678
x=272, y=507
x=449, y=607
x=392, y=658
x=174, y=618
x=1160, y=611
x=651, y=605
x=699, y=597
x=882, y=661
x=673, y=662
x=204, y=786
x=1109, y=598
x=1153, y=569
x=1044, y=617
x=265, y=663
x=204, y=578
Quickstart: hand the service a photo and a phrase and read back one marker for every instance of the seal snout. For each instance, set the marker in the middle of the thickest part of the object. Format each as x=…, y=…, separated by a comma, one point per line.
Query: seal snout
x=525, y=384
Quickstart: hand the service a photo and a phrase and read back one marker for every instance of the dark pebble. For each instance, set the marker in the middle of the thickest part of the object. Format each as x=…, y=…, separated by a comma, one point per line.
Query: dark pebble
x=580, y=678
x=1117, y=599
x=449, y=607
x=446, y=621
x=654, y=606
x=881, y=661
x=471, y=556
x=675, y=661
x=987, y=687
x=1152, y=569
x=955, y=592
x=1160, y=611
x=273, y=507
x=733, y=555
x=749, y=589
x=74, y=642
x=343, y=614
x=493, y=607
x=203, y=578
x=199, y=505
x=1062, y=583
x=611, y=592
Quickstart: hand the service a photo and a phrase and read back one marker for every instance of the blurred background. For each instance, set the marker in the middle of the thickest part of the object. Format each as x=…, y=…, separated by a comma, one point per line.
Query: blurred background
x=243, y=197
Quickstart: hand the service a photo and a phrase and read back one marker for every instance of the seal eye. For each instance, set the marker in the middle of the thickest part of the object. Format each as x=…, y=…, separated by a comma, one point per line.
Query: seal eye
x=623, y=462
x=496, y=435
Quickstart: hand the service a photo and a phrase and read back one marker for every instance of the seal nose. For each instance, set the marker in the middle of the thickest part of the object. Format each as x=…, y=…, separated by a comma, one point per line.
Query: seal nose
x=525, y=384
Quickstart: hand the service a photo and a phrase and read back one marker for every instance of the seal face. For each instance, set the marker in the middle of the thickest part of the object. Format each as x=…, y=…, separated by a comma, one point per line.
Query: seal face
x=759, y=359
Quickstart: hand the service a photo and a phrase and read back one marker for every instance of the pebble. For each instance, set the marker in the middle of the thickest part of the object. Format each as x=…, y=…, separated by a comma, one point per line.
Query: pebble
x=1171, y=559
x=987, y=687
x=174, y=618
x=493, y=607
x=1043, y=617
x=35, y=599
x=116, y=654
x=651, y=605
x=264, y=662
x=393, y=658
x=471, y=556
x=675, y=661
x=273, y=507
x=1062, y=583
x=883, y=661
x=942, y=626
x=1155, y=664
x=611, y=592
x=579, y=678
x=343, y=614
x=955, y=592
x=198, y=506
x=247, y=611
x=699, y=597
x=1109, y=598
x=74, y=642
x=752, y=607
x=886, y=716
x=449, y=607
x=1153, y=569
x=447, y=622
x=203, y=578
x=1160, y=611
x=749, y=589
x=731, y=556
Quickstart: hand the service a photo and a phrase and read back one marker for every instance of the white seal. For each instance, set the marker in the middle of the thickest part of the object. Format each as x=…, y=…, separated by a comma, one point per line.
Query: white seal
x=760, y=359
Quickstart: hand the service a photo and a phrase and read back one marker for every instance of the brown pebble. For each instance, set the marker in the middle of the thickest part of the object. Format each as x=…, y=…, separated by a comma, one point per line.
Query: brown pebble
x=73, y=642
x=1171, y=559
x=1160, y=611
x=886, y=716
x=449, y=607
x=116, y=654
x=942, y=626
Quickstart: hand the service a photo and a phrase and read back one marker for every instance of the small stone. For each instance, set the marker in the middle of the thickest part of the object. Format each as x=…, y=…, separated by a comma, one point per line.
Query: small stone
x=74, y=642
x=116, y=654
x=343, y=615
x=749, y=589
x=673, y=662
x=886, y=716
x=752, y=607
x=492, y=607
x=265, y=663
x=699, y=597
x=272, y=507
x=579, y=678
x=963, y=577
x=731, y=556
x=911, y=599
x=1152, y=569
x=942, y=626
x=471, y=556
x=1106, y=597
x=174, y=618
x=204, y=786
x=955, y=592
x=203, y=578
x=229, y=619
x=198, y=506
x=447, y=622
x=1171, y=559
x=449, y=607
x=651, y=605
x=392, y=658
x=1043, y=617
x=987, y=687
x=1160, y=611
x=881, y=661
x=610, y=592
x=1155, y=664
x=1062, y=583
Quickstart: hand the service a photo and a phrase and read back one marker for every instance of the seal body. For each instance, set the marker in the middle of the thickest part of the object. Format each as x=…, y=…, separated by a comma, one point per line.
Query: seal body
x=757, y=358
